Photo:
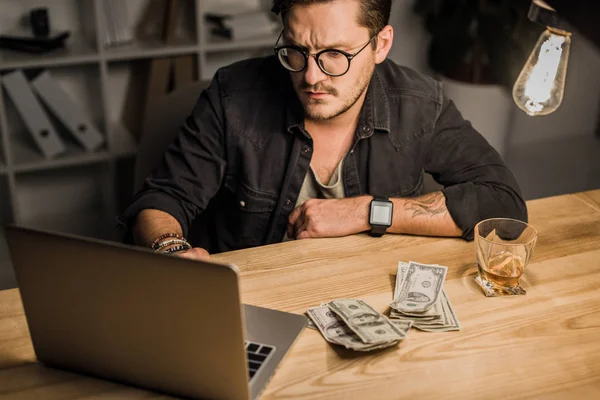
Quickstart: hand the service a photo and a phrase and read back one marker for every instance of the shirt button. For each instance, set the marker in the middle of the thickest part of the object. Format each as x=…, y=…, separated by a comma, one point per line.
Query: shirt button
x=242, y=203
x=366, y=129
x=306, y=150
x=288, y=202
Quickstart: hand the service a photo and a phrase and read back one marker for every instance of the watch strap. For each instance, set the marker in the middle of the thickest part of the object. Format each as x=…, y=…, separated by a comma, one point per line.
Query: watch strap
x=377, y=230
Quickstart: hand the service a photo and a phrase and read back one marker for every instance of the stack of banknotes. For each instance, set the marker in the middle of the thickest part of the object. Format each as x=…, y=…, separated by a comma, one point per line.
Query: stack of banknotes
x=356, y=325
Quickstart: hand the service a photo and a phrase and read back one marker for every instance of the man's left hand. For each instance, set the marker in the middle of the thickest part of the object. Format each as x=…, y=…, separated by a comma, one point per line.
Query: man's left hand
x=318, y=218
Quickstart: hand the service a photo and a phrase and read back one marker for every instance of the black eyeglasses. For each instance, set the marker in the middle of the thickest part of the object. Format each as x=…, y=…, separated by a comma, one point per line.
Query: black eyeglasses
x=331, y=61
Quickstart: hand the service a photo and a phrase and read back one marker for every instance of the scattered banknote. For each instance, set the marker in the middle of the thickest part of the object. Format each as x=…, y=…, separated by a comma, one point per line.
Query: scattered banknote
x=370, y=330
x=439, y=317
x=335, y=331
x=403, y=325
x=371, y=326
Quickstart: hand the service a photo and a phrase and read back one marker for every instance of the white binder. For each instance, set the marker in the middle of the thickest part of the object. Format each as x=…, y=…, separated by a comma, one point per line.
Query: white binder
x=67, y=111
x=33, y=115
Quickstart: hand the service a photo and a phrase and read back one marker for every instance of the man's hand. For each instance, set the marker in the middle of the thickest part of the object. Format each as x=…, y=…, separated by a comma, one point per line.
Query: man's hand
x=196, y=253
x=318, y=218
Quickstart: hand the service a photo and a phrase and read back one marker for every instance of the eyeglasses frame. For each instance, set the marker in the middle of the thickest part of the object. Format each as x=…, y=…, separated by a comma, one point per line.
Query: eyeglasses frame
x=349, y=56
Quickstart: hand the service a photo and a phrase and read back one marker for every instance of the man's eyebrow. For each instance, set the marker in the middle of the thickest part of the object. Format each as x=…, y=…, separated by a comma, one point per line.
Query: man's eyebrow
x=332, y=46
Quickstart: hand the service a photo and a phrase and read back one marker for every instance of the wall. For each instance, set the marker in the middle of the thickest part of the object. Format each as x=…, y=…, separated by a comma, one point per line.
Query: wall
x=410, y=38
x=578, y=113
x=550, y=155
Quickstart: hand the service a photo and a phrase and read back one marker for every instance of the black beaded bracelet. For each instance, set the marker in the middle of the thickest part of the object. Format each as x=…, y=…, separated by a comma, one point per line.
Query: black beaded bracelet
x=163, y=245
x=157, y=241
x=175, y=249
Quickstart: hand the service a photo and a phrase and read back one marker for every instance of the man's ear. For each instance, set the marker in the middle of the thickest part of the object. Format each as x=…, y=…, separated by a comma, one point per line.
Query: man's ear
x=385, y=39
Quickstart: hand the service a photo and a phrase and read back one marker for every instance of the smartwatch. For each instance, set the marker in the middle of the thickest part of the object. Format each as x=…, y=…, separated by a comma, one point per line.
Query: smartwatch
x=380, y=215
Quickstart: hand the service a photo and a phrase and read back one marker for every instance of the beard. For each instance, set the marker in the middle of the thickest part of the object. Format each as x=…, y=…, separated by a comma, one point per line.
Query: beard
x=317, y=109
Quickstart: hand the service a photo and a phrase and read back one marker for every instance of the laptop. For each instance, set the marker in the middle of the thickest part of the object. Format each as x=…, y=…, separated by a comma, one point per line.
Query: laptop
x=149, y=320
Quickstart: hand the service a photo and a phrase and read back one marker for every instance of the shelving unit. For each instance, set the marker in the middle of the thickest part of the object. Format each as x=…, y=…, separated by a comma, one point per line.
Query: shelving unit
x=82, y=192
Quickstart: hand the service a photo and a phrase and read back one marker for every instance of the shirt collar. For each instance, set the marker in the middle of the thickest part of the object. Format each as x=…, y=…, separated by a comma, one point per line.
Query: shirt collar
x=380, y=106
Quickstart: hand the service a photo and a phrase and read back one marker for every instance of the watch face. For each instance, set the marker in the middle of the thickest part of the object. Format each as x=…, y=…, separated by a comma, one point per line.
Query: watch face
x=381, y=213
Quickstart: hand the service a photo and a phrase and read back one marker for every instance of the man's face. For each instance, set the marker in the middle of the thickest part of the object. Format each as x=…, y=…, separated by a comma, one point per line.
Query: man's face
x=321, y=26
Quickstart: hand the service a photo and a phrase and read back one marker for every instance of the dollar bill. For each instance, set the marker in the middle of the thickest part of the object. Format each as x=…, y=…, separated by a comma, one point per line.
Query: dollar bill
x=397, y=314
x=441, y=317
x=433, y=314
x=451, y=322
x=311, y=324
x=420, y=288
x=400, y=274
x=335, y=331
x=371, y=326
x=403, y=325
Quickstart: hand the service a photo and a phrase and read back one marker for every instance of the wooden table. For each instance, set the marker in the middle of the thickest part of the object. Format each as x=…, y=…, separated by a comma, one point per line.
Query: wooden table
x=545, y=344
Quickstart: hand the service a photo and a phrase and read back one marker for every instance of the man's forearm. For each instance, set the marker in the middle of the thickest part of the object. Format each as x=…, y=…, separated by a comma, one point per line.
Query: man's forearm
x=424, y=215
x=150, y=224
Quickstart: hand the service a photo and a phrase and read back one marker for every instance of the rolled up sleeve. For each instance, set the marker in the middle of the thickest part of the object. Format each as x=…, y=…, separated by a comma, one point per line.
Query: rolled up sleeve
x=191, y=170
x=477, y=182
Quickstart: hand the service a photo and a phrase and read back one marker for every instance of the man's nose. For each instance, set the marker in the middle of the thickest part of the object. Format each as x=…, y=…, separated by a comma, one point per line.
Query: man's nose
x=313, y=74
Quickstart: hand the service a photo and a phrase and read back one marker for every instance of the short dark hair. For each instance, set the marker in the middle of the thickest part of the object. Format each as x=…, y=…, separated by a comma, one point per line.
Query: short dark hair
x=373, y=15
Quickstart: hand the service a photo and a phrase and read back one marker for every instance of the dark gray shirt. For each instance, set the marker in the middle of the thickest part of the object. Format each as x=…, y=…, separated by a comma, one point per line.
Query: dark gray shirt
x=233, y=175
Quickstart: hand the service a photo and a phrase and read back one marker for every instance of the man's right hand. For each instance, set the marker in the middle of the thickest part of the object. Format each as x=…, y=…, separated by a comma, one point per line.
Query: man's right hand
x=197, y=253
x=151, y=224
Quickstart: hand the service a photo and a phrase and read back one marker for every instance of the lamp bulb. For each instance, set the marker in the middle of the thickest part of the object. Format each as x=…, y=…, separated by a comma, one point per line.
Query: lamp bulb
x=540, y=87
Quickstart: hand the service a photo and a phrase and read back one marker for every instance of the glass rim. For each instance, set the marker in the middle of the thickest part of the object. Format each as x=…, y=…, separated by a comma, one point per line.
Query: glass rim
x=505, y=219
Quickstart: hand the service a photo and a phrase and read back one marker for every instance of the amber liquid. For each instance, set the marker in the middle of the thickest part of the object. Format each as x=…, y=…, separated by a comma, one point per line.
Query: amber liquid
x=503, y=269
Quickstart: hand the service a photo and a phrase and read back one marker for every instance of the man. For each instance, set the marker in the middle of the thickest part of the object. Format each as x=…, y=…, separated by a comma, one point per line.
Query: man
x=297, y=145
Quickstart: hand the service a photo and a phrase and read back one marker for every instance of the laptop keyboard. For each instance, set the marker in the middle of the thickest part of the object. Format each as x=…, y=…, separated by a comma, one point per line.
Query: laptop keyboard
x=257, y=354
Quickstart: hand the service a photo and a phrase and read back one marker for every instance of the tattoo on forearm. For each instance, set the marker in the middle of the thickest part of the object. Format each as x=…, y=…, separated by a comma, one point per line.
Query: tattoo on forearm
x=429, y=205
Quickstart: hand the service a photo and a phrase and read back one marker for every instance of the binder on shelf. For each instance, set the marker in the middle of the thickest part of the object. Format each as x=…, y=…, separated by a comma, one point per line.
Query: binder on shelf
x=117, y=30
x=241, y=26
x=67, y=111
x=33, y=115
